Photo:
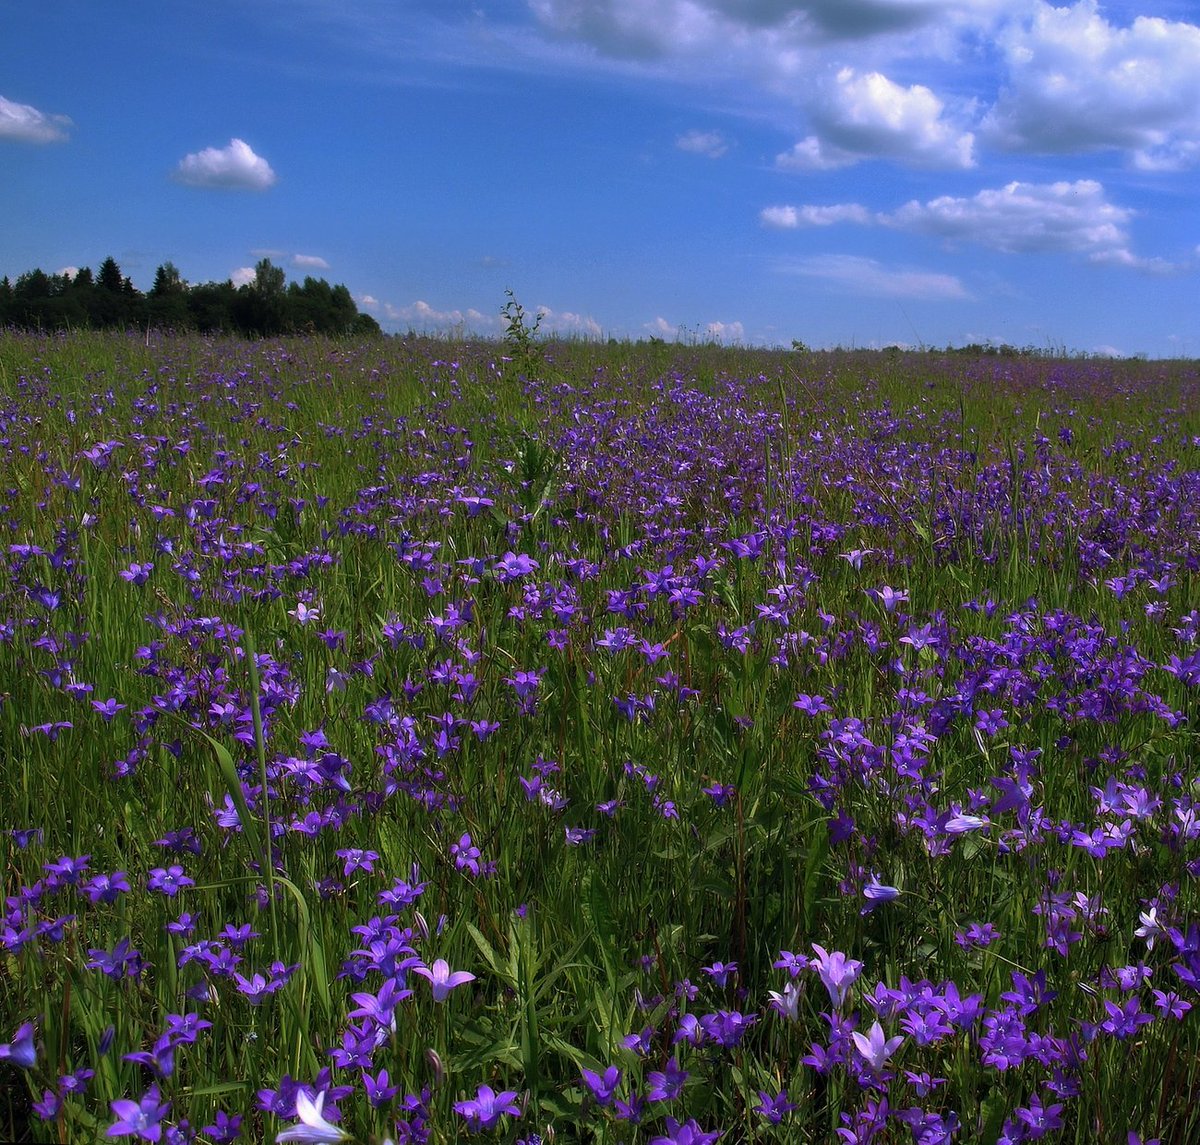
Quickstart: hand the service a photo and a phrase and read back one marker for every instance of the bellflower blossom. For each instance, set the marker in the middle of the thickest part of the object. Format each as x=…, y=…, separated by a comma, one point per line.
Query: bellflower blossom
x=313, y=1128
x=442, y=979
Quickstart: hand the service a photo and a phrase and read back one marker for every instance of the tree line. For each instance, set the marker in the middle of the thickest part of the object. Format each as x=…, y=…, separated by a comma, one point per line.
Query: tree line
x=266, y=307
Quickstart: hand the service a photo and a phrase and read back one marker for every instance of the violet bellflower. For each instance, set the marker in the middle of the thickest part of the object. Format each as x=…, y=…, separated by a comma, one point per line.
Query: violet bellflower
x=442, y=979
x=21, y=1051
x=313, y=1129
x=602, y=1086
x=685, y=1133
x=141, y=1119
x=836, y=971
x=875, y=1047
x=485, y=1109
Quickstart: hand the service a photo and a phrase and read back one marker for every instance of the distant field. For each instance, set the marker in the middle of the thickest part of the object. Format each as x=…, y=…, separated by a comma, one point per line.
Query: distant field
x=636, y=743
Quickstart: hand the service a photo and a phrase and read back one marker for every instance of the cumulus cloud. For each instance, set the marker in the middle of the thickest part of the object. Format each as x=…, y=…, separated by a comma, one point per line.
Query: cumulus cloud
x=1078, y=83
x=708, y=332
x=1018, y=218
x=22, y=123
x=641, y=29
x=243, y=276
x=235, y=167
x=790, y=218
x=725, y=331
x=852, y=274
x=420, y=315
x=309, y=262
x=863, y=115
x=710, y=144
x=661, y=328
x=813, y=154
x=1025, y=217
x=568, y=322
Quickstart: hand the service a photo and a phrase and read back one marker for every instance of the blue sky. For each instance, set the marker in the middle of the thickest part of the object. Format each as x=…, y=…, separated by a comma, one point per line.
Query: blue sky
x=842, y=172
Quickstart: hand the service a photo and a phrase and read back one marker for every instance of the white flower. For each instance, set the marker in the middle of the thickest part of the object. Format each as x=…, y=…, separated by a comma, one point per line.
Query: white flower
x=303, y=614
x=1151, y=928
x=313, y=1128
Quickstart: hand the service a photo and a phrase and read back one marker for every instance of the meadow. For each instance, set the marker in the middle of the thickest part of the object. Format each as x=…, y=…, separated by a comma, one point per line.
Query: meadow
x=409, y=740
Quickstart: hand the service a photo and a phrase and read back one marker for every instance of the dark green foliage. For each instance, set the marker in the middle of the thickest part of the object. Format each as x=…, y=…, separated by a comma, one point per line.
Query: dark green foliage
x=266, y=307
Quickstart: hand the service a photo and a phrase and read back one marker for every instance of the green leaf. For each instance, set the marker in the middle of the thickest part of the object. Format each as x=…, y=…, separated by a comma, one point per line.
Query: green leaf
x=491, y=957
x=992, y=1115
x=233, y=785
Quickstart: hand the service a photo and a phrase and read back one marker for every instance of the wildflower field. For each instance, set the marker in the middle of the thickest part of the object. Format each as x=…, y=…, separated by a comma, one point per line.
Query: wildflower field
x=409, y=740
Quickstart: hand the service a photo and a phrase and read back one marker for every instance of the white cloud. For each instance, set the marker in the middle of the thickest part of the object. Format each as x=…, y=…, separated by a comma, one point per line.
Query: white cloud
x=1018, y=218
x=309, y=262
x=1072, y=218
x=825, y=61
x=726, y=331
x=569, y=323
x=864, y=115
x=243, y=276
x=421, y=316
x=709, y=332
x=813, y=154
x=853, y=274
x=368, y=301
x=661, y=328
x=711, y=144
x=25, y=124
x=643, y=29
x=235, y=167
x=1023, y=217
x=789, y=218
x=1078, y=83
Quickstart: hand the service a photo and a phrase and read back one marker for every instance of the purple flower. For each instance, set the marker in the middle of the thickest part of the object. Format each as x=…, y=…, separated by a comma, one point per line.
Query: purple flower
x=604, y=1086
x=379, y=1090
x=688, y=1133
x=442, y=979
x=485, y=1109
x=875, y=1047
x=313, y=1128
x=513, y=566
x=355, y=858
x=21, y=1051
x=225, y=1128
x=811, y=705
x=67, y=869
x=666, y=1084
x=721, y=972
x=108, y=708
x=465, y=855
x=786, y=1003
x=875, y=893
x=141, y=1119
x=169, y=880
x=1040, y=1119
x=1123, y=1021
x=837, y=971
x=773, y=1108
x=161, y=1059
x=639, y=1043
x=138, y=574
x=121, y=962
x=106, y=888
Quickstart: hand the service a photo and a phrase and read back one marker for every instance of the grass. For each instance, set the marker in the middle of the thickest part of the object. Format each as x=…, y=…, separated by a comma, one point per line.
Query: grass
x=592, y=671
